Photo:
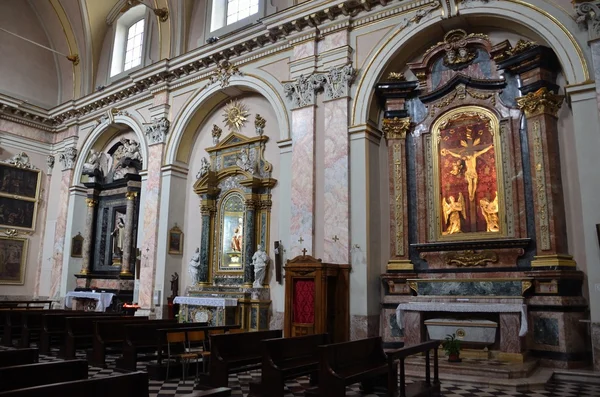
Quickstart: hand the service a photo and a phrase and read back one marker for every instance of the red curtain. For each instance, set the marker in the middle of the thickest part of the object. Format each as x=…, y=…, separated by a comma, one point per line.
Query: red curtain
x=304, y=301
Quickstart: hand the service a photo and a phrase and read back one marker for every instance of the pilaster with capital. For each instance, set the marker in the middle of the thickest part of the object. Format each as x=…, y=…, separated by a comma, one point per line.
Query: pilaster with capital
x=537, y=66
x=128, y=238
x=249, y=240
x=88, y=234
x=208, y=213
x=395, y=126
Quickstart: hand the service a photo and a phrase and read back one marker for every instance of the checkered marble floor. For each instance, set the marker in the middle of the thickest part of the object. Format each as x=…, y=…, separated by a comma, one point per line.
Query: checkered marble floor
x=240, y=385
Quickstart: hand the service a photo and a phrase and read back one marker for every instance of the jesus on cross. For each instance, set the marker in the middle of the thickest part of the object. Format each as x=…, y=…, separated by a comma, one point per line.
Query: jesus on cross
x=469, y=154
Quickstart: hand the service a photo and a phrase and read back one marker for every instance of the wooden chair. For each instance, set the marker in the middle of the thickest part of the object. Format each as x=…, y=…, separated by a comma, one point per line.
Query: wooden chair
x=201, y=350
x=175, y=339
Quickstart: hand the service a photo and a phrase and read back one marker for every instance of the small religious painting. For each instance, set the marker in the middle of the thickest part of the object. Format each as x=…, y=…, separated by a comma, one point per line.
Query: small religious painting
x=468, y=173
x=19, y=190
x=13, y=256
x=175, y=241
x=232, y=232
x=77, y=246
x=118, y=236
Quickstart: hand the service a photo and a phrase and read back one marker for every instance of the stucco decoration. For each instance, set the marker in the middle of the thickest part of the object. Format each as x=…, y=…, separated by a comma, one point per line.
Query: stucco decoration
x=127, y=159
x=588, y=15
x=50, y=160
x=225, y=70
x=301, y=92
x=67, y=158
x=337, y=81
x=20, y=160
x=157, y=131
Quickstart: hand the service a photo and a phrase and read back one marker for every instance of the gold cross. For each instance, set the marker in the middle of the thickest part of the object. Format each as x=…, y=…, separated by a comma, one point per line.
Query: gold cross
x=300, y=240
x=304, y=252
x=335, y=238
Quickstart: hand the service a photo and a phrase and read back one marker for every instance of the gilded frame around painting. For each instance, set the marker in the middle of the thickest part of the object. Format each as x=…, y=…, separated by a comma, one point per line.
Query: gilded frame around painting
x=13, y=257
x=231, y=260
x=175, y=242
x=77, y=246
x=19, y=197
x=494, y=126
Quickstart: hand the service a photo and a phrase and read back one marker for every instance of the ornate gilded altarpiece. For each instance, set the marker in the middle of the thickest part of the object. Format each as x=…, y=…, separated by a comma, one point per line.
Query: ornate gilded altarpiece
x=475, y=214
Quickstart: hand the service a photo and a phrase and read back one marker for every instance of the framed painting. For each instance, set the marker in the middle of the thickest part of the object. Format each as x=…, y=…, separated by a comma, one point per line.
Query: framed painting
x=19, y=193
x=175, y=241
x=77, y=246
x=13, y=256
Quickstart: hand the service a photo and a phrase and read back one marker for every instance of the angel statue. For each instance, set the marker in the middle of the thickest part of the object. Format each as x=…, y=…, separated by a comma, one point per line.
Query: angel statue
x=194, y=265
x=452, y=212
x=259, y=261
x=489, y=209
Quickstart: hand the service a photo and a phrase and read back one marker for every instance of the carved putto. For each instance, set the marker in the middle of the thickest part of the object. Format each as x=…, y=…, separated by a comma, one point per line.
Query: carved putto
x=50, y=160
x=20, y=160
x=458, y=53
x=127, y=158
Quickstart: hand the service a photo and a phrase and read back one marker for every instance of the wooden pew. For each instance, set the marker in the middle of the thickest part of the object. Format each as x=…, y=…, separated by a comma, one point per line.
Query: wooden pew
x=109, y=334
x=12, y=325
x=287, y=358
x=80, y=332
x=346, y=363
x=140, y=338
x=54, y=328
x=419, y=388
x=18, y=357
x=30, y=375
x=31, y=325
x=233, y=353
x=125, y=385
x=39, y=304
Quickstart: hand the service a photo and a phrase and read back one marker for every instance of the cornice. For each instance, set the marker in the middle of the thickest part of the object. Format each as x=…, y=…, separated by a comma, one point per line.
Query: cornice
x=271, y=34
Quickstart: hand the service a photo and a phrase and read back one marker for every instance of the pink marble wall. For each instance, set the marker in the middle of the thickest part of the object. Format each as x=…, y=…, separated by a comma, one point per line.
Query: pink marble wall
x=59, y=233
x=151, y=194
x=362, y=327
x=510, y=342
x=333, y=41
x=304, y=50
x=303, y=180
x=336, y=203
x=42, y=210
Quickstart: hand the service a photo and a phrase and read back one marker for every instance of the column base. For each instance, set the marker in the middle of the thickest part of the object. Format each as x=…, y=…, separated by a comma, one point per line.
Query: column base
x=400, y=264
x=556, y=260
x=204, y=284
x=84, y=272
x=125, y=273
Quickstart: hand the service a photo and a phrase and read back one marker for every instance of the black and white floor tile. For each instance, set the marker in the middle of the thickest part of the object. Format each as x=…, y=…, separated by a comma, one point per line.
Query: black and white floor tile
x=240, y=385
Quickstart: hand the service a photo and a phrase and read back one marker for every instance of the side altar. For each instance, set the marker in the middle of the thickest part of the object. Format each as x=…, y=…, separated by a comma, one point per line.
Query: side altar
x=230, y=267
x=478, y=242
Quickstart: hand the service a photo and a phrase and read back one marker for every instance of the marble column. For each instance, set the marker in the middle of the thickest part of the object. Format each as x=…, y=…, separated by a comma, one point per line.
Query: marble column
x=88, y=234
x=128, y=238
x=67, y=160
x=207, y=210
x=249, y=239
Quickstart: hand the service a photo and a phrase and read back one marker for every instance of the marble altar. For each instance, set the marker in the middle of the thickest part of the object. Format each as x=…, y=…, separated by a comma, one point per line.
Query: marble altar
x=103, y=299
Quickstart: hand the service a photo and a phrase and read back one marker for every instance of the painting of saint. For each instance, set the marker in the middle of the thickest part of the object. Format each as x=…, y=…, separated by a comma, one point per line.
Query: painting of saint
x=16, y=213
x=236, y=240
x=232, y=233
x=13, y=253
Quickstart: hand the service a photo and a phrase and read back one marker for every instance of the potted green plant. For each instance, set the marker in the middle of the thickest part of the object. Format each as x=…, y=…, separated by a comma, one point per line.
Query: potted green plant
x=451, y=346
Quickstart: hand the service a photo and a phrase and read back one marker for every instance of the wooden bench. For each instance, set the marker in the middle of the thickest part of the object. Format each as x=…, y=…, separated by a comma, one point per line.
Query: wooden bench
x=109, y=334
x=18, y=357
x=346, y=363
x=140, y=338
x=31, y=325
x=419, y=388
x=54, y=328
x=125, y=385
x=233, y=353
x=30, y=375
x=287, y=358
x=25, y=304
x=79, y=332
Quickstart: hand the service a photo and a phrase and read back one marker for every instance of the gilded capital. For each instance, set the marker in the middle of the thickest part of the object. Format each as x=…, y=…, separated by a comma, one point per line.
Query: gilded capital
x=396, y=128
x=91, y=202
x=539, y=102
x=131, y=195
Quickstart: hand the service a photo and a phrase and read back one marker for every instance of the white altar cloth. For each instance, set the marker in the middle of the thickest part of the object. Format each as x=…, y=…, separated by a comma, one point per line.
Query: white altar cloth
x=205, y=301
x=464, y=308
x=103, y=298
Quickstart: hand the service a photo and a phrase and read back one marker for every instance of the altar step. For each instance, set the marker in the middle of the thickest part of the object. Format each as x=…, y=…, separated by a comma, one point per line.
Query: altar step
x=577, y=375
x=486, y=373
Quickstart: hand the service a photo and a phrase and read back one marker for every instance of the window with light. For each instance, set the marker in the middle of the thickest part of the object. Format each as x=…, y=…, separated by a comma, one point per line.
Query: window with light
x=128, y=48
x=133, y=50
x=228, y=12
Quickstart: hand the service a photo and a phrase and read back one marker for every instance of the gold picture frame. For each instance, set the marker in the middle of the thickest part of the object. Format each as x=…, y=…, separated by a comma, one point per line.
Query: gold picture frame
x=77, y=246
x=175, y=241
x=13, y=256
x=19, y=196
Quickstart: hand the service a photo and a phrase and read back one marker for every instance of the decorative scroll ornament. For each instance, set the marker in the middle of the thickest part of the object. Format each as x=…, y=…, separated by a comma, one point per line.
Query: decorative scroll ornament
x=301, y=92
x=216, y=134
x=225, y=70
x=50, y=160
x=11, y=233
x=521, y=46
x=396, y=76
x=259, y=124
x=157, y=131
x=396, y=128
x=337, y=81
x=457, y=52
x=588, y=15
x=236, y=114
x=470, y=258
x=67, y=158
x=20, y=160
x=539, y=102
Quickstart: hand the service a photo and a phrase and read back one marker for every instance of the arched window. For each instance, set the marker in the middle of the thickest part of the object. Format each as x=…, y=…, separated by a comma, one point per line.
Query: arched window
x=234, y=13
x=129, y=44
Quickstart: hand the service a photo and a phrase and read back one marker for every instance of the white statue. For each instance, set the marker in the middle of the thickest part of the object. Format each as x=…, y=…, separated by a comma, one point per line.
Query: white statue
x=131, y=150
x=245, y=161
x=118, y=237
x=259, y=260
x=194, y=265
x=92, y=166
x=204, y=167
